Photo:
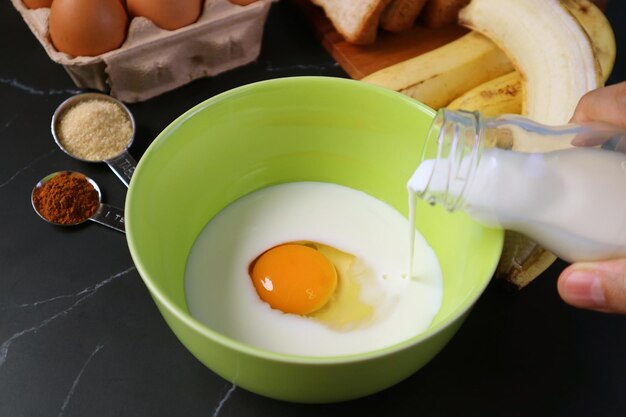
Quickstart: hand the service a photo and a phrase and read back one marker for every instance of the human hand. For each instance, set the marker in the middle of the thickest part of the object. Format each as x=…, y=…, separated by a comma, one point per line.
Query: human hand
x=599, y=286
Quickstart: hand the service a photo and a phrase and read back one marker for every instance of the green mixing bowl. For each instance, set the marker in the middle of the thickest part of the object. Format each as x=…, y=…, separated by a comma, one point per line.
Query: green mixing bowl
x=296, y=129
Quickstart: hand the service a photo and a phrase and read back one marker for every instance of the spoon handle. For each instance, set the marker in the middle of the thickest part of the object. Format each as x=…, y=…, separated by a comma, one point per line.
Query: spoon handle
x=123, y=166
x=110, y=216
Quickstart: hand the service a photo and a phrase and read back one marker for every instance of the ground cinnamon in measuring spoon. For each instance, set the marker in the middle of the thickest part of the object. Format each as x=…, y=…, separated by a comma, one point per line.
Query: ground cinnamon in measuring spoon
x=67, y=198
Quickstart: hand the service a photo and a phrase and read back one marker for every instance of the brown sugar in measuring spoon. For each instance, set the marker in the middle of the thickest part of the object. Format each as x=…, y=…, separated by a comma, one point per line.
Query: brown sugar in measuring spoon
x=68, y=198
x=94, y=127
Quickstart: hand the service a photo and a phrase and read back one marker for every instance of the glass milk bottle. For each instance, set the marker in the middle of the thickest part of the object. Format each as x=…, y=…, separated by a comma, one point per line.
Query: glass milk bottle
x=564, y=187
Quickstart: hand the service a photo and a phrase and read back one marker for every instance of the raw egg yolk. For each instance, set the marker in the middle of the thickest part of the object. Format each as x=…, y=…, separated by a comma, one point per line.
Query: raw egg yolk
x=294, y=278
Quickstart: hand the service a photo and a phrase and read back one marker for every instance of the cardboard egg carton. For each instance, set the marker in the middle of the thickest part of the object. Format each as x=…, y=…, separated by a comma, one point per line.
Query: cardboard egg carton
x=152, y=60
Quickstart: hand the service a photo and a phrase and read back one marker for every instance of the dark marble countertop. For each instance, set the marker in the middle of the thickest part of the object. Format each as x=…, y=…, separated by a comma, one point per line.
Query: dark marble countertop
x=80, y=335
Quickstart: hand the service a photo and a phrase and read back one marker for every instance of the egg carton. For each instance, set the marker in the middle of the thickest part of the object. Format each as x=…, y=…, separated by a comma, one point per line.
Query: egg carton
x=152, y=60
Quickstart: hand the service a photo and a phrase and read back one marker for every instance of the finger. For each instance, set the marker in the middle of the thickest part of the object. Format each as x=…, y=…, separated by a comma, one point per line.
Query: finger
x=597, y=286
x=606, y=104
x=597, y=133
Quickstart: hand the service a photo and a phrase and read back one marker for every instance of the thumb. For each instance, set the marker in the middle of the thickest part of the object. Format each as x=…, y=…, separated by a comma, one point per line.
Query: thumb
x=597, y=286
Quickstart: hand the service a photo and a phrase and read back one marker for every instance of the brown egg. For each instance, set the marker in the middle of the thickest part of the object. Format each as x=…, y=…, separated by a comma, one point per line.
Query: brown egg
x=87, y=27
x=36, y=4
x=166, y=14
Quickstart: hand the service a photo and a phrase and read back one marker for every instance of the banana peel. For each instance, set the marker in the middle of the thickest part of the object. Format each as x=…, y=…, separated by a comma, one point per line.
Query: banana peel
x=504, y=94
x=437, y=77
x=548, y=47
x=522, y=260
x=599, y=30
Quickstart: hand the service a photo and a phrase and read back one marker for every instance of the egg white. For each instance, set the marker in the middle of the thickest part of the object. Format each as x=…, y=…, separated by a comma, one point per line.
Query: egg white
x=220, y=293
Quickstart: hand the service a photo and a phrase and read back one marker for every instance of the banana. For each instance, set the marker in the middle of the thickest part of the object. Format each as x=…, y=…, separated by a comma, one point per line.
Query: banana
x=599, y=30
x=548, y=47
x=541, y=72
x=437, y=77
x=522, y=260
x=498, y=96
x=442, y=75
x=503, y=94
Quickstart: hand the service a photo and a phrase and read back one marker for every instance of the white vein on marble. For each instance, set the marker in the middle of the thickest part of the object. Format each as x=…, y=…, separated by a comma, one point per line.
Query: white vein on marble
x=35, y=91
x=223, y=400
x=48, y=300
x=7, y=124
x=28, y=166
x=69, y=395
x=83, y=294
x=84, y=291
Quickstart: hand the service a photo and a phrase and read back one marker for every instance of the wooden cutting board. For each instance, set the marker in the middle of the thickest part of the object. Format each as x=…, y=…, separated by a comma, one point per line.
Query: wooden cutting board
x=389, y=48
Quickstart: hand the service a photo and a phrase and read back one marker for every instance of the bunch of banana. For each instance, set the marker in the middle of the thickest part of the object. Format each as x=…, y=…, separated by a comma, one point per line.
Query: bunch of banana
x=530, y=57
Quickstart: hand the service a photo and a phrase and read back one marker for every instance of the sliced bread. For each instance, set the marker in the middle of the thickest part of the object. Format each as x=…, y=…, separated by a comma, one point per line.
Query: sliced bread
x=356, y=20
x=400, y=15
x=439, y=13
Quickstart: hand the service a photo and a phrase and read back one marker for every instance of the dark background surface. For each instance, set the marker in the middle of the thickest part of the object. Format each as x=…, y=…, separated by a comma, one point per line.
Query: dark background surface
x=80, y=335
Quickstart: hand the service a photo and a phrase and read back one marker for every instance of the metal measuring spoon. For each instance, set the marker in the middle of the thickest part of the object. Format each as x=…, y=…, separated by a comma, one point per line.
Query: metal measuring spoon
x=122, y=164
x=106, y=214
